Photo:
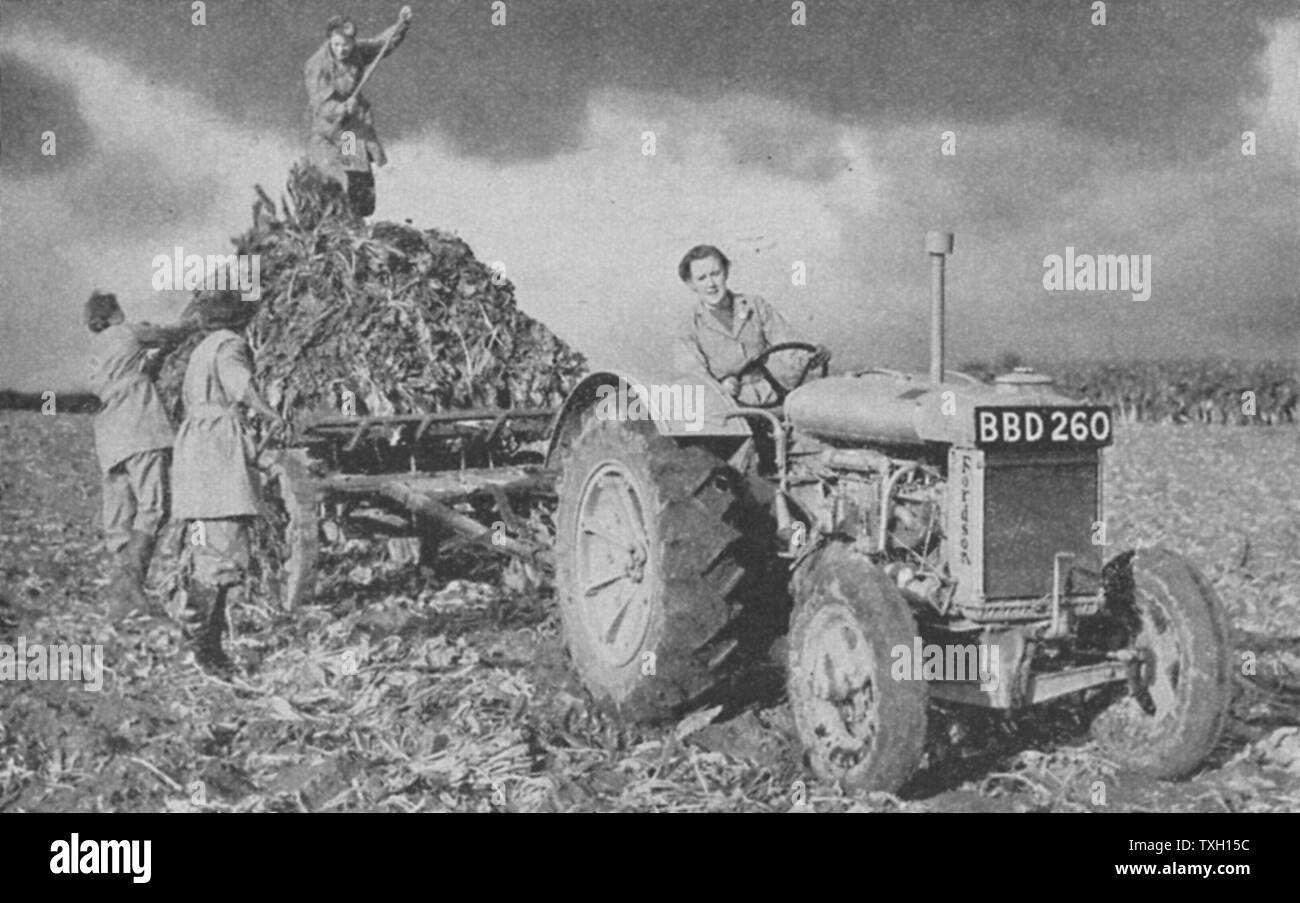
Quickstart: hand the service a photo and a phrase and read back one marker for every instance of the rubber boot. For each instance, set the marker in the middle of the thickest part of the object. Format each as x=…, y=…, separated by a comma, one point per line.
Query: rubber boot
x=211, y=654
x=142, y=546
x=125, y=590
x=208, y=626
x=198, y=600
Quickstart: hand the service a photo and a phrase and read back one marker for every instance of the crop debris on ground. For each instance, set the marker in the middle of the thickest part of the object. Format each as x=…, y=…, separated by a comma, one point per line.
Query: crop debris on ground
x=405, y=689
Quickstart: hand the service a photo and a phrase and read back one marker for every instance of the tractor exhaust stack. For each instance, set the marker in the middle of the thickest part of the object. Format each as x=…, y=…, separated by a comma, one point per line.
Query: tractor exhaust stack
x=938, y=245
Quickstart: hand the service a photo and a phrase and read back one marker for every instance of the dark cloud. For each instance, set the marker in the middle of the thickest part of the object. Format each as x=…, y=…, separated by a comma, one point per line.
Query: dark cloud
x=1166, y=77
x=127, y=192
x=1122, y=138
x=33, y=104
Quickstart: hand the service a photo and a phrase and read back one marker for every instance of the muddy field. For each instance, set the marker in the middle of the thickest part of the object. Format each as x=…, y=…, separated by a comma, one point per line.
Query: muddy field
x=406, y=690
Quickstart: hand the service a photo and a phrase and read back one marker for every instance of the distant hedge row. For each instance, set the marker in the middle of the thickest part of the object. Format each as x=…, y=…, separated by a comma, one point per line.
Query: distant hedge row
x=1155, y=392
x=1242, y=393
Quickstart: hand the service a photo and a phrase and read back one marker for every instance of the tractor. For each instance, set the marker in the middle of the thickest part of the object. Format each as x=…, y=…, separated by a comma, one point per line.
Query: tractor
x=918, y=538
x=897, y=539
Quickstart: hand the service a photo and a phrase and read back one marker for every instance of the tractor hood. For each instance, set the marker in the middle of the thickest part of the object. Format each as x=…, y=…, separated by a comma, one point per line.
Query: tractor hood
x=906, y=409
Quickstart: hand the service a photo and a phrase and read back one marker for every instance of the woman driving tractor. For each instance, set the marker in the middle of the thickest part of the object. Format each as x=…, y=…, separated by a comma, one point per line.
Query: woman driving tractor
x=732, y=336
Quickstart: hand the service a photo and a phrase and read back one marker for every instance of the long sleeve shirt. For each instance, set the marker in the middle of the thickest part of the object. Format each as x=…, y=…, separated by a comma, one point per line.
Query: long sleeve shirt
x=330, y=82
x=213, y=471
x=133, y=418
x=708, y=347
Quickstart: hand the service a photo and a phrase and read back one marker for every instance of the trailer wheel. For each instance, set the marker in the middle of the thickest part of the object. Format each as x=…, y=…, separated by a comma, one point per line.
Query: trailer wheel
x=649, y=561
x=1166, y=612
x=859, y=726
x=291, y=503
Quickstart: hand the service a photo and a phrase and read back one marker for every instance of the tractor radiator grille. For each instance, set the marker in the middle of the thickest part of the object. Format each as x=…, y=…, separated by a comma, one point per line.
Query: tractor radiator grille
x=1034, y=507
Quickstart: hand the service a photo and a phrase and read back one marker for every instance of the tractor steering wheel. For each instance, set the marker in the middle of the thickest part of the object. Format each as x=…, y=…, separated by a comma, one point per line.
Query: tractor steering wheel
x=759, y=362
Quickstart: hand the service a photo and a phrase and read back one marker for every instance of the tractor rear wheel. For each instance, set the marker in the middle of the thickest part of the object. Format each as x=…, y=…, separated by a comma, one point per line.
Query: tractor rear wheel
x=1164, y=610
x=650, y=567
x=859, y=726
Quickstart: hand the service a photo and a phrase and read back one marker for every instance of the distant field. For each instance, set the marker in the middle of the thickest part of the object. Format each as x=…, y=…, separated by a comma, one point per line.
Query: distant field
x=1239, y=393
x=1227, y=498
x=1138, y=391
x=462, y=699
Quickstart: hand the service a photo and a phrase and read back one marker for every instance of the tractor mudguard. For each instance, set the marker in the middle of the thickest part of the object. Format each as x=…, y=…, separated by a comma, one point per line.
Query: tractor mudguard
x=690, y=407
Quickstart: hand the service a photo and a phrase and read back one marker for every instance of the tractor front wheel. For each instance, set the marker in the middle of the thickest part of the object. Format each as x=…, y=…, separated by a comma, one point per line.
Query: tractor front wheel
x=1167, y=615
x=859, y=726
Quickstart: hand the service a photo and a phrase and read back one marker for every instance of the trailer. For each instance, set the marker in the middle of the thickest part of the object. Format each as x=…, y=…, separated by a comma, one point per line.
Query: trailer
x=472, y=474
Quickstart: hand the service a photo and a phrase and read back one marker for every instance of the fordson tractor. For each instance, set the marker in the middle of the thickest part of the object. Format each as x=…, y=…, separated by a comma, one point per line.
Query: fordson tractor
x=910, y=538
x=934, y=538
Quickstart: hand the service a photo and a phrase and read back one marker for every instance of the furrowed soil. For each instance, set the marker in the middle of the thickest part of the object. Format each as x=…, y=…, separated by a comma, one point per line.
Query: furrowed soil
x=402, y=690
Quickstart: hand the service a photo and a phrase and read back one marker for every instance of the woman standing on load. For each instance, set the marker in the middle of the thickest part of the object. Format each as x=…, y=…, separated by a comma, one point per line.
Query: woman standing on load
x=343, y=143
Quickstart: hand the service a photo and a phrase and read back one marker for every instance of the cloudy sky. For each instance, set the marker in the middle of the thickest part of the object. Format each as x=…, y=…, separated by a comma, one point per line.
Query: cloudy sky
x=817, y=144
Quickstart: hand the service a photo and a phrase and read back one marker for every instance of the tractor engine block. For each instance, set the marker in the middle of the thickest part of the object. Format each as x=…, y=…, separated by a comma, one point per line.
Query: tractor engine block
x=916, y=518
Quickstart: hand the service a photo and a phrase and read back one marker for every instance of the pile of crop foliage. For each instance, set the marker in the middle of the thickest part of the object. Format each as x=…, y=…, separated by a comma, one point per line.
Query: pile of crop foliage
x=406, y=321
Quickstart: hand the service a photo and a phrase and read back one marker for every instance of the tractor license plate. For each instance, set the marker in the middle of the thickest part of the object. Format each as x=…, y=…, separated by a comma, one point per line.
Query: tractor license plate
x=1042, y=427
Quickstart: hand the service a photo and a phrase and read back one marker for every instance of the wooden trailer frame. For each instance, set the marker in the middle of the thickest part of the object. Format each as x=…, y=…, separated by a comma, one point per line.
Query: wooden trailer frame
x=449, y=462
